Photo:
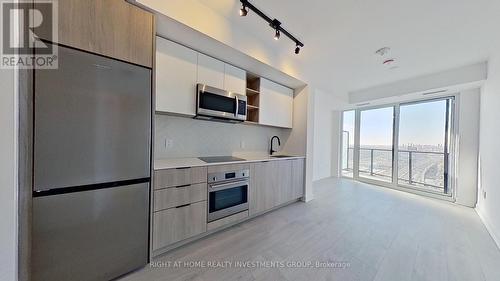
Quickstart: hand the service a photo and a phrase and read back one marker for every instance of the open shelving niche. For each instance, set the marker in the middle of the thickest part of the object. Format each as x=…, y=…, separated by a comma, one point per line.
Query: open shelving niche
x=252, y=92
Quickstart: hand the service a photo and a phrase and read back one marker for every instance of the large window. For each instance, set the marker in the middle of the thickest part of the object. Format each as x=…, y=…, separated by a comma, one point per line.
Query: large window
x=419, y=133
x=423, y=138
x=375, y=144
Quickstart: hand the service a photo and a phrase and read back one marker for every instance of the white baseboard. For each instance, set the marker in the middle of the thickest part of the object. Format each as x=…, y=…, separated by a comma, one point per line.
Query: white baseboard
x=488, y=226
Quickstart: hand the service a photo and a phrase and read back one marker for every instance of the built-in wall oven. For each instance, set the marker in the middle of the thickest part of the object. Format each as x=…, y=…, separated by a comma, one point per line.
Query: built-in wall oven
x=227, y=193
x=213, y=103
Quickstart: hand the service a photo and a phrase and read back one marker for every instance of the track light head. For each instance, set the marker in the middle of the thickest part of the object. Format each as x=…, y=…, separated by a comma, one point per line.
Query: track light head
x=277, y=34
x=243, y=11
x=275, y=24
x=297, y=50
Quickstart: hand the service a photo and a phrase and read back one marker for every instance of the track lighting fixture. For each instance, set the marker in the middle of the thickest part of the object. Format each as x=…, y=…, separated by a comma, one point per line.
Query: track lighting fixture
x=274, y=23
x=243, y=11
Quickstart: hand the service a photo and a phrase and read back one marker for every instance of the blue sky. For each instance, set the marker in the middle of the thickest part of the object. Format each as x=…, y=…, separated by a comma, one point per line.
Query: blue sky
x=421, y=123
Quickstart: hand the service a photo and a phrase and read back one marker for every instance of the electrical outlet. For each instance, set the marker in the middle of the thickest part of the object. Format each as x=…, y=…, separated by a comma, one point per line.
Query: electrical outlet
x=169, y=143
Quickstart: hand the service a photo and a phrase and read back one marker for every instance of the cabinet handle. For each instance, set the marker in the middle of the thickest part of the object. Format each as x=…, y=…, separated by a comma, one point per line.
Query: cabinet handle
x=182, y=168
x=182, y=206
x=184, y=185
x=237, y=107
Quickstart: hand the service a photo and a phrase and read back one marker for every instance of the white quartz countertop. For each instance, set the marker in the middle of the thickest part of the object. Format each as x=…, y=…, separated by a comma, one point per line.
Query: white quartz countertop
x=172, y=163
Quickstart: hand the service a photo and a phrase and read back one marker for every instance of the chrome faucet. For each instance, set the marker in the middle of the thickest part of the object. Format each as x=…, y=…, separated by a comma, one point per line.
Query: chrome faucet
x=279, y=144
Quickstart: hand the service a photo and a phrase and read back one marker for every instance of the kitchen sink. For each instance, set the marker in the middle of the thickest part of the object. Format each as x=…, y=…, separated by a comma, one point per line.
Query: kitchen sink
x=281, y=156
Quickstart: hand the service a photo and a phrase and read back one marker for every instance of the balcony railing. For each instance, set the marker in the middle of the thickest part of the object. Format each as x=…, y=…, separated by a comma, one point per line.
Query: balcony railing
x=368, y=167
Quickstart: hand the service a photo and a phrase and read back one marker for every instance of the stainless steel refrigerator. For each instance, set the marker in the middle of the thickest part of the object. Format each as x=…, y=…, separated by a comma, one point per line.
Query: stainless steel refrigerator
x=92, y=155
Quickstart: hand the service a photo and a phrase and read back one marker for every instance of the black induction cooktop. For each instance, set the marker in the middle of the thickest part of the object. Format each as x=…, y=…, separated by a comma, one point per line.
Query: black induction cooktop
x=218, y=159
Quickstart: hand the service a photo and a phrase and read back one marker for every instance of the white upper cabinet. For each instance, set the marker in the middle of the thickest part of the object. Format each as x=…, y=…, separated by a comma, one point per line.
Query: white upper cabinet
x=175, y=78
x=276, y=104
x=235, y=79
x=210, y=71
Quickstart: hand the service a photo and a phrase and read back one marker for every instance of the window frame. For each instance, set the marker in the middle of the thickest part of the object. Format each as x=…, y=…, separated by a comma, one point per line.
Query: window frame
x=450, y=145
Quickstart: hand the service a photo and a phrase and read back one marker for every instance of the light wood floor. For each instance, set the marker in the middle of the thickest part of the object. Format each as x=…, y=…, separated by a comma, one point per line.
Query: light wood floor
x=382, y=234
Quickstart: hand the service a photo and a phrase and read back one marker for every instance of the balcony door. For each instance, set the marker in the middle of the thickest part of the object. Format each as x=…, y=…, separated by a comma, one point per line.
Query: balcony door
x=424, y=145
x=418, y=133
x=376, y=134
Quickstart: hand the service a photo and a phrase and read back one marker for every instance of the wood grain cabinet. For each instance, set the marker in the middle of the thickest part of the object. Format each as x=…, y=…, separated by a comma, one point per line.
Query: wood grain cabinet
x=276, y=104
x=176, y=68
x=284, y=190
x=176, y=196
x=112, y=28
x=262, y=180
x=179, y=223
x=298, y=178
x=179, y=205
x=274, y=183
x=179, y=177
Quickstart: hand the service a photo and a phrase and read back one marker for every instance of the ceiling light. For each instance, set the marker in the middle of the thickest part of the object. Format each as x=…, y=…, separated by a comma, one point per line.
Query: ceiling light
x=243, y=11
x=277, y=34
x=297, y=50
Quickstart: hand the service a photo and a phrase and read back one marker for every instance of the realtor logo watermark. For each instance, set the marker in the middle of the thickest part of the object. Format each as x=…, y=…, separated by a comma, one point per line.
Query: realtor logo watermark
x=24, y=24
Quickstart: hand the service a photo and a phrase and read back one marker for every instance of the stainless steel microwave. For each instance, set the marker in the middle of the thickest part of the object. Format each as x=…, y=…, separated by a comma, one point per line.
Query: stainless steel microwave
x=213, y=103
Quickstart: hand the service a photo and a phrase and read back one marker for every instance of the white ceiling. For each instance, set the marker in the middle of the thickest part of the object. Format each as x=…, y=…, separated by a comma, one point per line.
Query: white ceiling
x=341, y=36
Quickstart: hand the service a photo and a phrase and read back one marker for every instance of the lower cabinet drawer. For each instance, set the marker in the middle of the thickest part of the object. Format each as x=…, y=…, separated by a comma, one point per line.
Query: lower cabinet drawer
x=179, y=223
x=176, y=196
x=179, y=176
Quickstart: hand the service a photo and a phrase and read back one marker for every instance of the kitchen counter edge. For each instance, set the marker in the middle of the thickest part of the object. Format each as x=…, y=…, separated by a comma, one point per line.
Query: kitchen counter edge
x=175, y=163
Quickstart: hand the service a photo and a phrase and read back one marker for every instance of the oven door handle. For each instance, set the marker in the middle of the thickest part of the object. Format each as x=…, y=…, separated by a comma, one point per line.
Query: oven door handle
x=218, y=187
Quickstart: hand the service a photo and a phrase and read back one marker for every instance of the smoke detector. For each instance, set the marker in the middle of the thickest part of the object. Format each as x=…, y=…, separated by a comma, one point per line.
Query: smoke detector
x=387, y=61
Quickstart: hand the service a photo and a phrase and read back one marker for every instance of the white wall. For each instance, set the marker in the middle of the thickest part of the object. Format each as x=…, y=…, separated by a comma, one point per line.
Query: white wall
x=468, y=144
x=8, y=174
x=309, y=95
x=488, y=206
x=465, y=75
x=323, y=133
x=297, y=141
x=326, y=134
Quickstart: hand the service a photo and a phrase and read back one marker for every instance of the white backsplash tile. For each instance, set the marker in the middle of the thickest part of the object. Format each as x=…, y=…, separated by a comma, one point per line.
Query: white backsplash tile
x=177, y=137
